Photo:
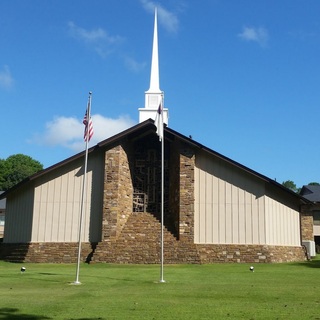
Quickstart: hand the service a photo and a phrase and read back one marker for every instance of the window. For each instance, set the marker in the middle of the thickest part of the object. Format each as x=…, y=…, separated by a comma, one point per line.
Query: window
x=1, y=220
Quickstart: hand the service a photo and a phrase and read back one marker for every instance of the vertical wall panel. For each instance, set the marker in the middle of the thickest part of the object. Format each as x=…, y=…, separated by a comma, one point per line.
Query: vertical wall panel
x=215, y=210
x=248, y=218
x=48, y=209
x=262, y=221
x=255, y=220
x=58, y=205
x=208, y=208
x=228, y=213
x=235, y=214
x=242, y=217
x=231, y=206
x=202, y=208
x=222, y=211
x=19, y=217
x=225, y=205
x=197, y=183
x=282, y=225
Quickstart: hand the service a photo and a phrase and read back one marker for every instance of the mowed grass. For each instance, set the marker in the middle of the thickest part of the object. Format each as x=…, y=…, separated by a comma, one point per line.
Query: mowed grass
x=107, y=291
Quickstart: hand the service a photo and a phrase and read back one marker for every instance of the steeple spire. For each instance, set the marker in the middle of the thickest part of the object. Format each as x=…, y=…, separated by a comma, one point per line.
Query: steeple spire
x=154, y=77
x=154, y=96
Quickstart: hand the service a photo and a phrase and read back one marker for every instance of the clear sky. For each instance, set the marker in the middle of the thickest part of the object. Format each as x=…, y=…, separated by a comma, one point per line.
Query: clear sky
x=241, y=77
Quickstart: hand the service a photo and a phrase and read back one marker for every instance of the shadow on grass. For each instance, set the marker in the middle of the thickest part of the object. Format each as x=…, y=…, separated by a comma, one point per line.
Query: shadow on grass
x=310, y=264
x=49, y=274
x=12, y=313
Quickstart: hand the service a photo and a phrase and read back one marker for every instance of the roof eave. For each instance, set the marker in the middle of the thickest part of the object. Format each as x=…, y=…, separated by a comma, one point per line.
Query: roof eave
x=104, y=143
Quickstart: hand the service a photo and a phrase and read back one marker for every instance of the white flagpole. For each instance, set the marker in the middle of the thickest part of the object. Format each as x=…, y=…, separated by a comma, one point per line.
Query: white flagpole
x=162, y=194
x=162, y=205
x=84, y=184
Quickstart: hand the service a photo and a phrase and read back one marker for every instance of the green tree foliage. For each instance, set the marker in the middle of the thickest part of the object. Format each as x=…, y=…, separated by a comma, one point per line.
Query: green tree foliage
x=290, y=185
x=313, y=184
x=16, y=168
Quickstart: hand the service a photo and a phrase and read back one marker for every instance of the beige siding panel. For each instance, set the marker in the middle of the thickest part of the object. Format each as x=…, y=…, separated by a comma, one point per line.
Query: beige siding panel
x=248, y=217
x=222, y=211
x=48, y=210
x=293, y=224
x=48, y=223
x=202, y=207
x=72, y=206
x=262, y=224
x=228, y=214
x=282, y=224
x=19, y=217
x=57, y=209
x=316, y=230
x=255, y=221
x=35, y=224
x=86, y=209
x=275, y=221
x=63, y=207
x=215, y=210
x=69, y=223
x=197, y=211
x=269, y=221
x=242, y=217
x=208, y=209
x=235, y=214
x=232, y=207
x=228, y=204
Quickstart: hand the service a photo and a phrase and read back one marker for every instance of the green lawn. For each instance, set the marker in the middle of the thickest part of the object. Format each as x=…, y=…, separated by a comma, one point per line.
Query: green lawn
x=218, y=291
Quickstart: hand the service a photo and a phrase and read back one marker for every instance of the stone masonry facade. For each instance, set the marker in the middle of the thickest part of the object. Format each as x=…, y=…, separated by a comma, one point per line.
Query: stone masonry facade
x=307, y=223
x=134, y=237
x=117, y=198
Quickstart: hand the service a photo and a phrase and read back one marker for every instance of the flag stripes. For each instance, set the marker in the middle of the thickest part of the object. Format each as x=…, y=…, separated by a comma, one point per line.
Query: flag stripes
x=88, y=129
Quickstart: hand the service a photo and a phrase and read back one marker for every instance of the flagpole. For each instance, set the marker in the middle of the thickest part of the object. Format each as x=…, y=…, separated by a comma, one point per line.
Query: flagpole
x=162, y=195
x=84, y=184
x=162, y=205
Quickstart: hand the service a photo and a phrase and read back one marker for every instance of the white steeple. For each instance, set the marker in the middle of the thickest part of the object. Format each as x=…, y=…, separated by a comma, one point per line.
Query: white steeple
x=154, y=77
x=154, y=96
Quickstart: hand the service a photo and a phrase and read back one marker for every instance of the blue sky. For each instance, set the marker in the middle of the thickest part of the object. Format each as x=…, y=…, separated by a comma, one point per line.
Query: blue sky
x=241, y=77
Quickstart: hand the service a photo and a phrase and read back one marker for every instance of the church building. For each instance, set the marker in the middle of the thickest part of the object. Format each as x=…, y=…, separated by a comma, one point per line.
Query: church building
x=215, y=209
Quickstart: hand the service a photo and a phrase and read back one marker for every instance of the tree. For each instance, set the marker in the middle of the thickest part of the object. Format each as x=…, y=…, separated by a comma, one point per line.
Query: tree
x=16, y=168
x=313, y=184
x=290, y=185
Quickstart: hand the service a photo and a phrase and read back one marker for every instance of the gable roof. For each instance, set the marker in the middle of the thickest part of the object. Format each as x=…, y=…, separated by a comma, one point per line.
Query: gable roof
x=311, y=192
x=143, y=129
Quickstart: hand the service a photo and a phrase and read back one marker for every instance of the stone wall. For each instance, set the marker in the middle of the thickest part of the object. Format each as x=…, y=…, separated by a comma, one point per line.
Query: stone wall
x=249, y=253
x=187, y=164
x=307, y=225
x=44, y=252
x=127, y=251
x=174, y=187
x=118, y=191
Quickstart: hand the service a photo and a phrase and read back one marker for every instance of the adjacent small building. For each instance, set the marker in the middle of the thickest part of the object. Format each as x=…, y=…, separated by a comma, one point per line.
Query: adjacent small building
x=312, y=193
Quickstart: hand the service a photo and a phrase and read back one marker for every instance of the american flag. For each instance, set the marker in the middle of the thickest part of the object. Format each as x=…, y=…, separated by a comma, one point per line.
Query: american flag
x=88, y=127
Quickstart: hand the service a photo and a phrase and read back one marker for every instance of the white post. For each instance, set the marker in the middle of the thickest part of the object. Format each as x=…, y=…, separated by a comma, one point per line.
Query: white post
x=83, y=194
x=162, y=195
